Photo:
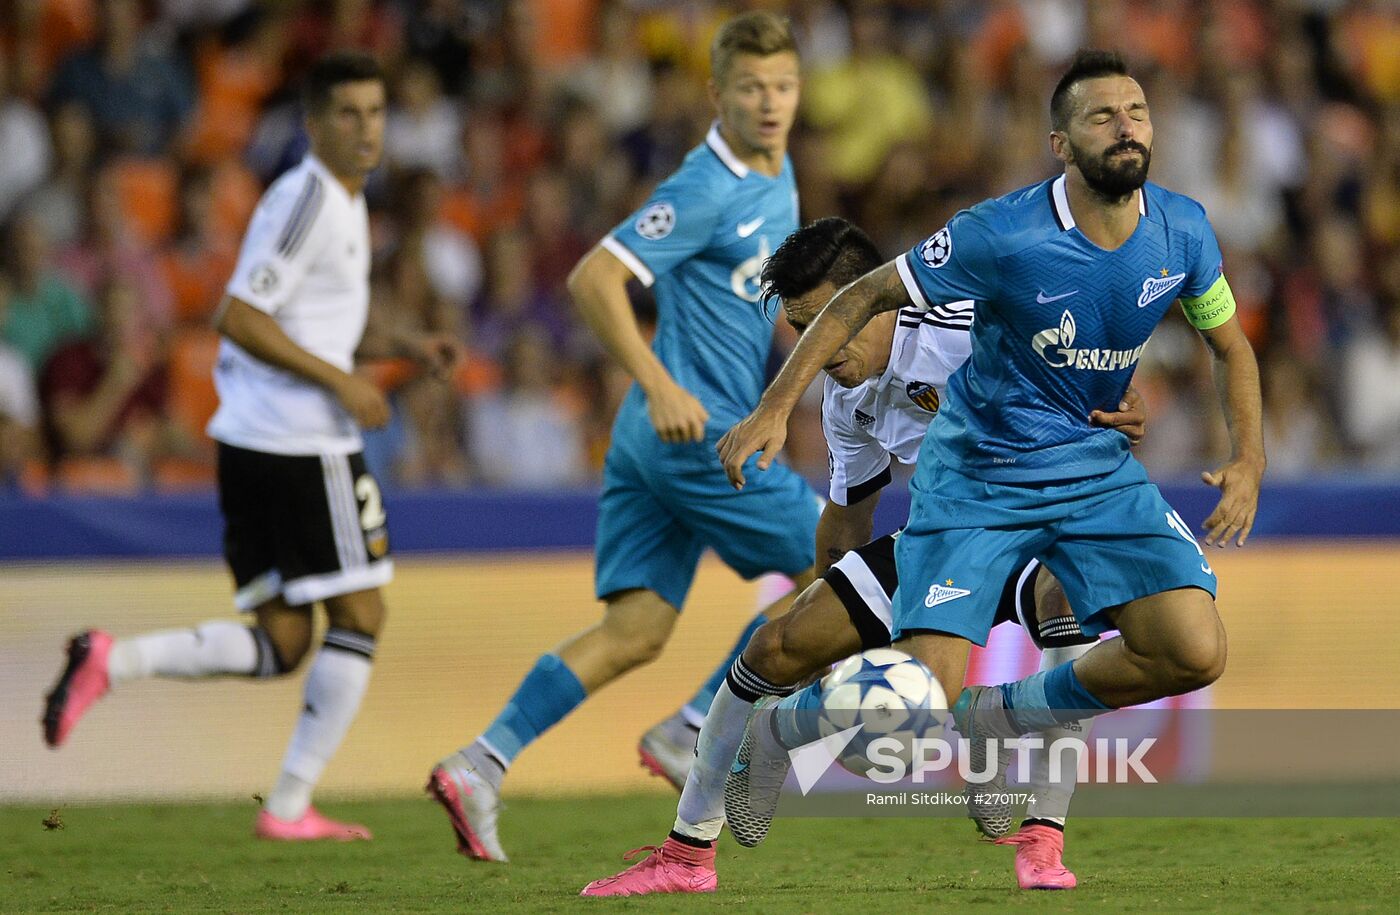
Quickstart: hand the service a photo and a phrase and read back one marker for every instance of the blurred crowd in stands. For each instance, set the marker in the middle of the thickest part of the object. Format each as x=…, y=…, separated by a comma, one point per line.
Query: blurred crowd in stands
x=135, y=138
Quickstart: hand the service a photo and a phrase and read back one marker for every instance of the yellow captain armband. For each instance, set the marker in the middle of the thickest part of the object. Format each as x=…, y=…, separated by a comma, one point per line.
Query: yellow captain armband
x=1212, y=308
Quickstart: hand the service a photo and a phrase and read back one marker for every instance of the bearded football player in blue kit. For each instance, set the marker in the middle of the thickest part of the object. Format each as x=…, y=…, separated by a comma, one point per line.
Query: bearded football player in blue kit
x=1068, y=278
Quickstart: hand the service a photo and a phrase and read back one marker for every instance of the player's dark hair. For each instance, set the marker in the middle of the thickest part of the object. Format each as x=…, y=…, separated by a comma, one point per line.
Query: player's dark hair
x=1087, y=64
x=335, y=69
x=830, y=249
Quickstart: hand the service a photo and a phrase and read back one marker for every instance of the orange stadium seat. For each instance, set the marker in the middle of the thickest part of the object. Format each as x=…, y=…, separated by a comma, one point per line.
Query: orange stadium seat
x=233, y=83
x=197, y=278
x=149, y=192
x=236, y=193
x=564, y=30
x=97, y=475
x=389, y=374
x=193, y=352
x=178, y=474
x=477, y=373
x=34, y=479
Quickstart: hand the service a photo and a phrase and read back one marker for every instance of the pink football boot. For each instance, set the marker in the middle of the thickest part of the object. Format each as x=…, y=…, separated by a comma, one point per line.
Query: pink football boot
x=673, y=868
x=309, y=828
x=82, y=683
x=1039, y=850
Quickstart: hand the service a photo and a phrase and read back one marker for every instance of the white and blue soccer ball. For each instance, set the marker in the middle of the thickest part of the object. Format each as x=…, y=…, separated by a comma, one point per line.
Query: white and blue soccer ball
x=889, y=695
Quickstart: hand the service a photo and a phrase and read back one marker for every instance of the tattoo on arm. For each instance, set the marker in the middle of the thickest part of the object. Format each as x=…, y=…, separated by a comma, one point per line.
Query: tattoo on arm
x=879, y=291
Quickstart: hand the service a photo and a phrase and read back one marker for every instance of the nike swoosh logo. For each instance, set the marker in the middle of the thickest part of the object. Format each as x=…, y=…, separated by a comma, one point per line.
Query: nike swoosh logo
x=748, y=228
x=1044, y=299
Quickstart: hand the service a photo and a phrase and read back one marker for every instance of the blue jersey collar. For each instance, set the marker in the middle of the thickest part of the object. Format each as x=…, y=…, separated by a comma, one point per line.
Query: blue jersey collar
x=715, y=140
x=1059, y=203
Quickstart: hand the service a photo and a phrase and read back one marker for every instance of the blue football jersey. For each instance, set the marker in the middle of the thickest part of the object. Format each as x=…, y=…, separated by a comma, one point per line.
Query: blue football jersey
x=700, y=242
x=1059, y=325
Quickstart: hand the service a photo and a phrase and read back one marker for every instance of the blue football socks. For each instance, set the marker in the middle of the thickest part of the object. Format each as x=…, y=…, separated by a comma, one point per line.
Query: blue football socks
x=1049, y=698
x=548, y=693
x=795, y=716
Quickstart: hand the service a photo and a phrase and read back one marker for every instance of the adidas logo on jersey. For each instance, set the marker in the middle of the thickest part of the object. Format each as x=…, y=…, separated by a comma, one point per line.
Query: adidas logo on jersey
x=863, y=419
x=1055, y=347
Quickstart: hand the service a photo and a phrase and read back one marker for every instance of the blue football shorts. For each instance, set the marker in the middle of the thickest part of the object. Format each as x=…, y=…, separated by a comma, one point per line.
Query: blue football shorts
x=663, y=504
x=1109, y=540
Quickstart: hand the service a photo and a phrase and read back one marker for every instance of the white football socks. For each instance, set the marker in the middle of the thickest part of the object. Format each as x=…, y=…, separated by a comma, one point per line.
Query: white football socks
x=700, y=814
x=215, y=648
x=1051, y=798
x=335, y=686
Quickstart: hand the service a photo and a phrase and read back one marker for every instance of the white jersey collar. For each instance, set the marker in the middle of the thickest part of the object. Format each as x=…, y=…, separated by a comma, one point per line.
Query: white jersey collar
x=896, y=350
x=715, y=140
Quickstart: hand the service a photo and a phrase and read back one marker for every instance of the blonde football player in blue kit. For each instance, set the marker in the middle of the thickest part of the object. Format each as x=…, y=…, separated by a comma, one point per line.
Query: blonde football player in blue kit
x=699, y=242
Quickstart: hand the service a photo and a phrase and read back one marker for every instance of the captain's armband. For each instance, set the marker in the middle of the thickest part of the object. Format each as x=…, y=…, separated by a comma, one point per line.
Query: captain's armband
x=1212, y=308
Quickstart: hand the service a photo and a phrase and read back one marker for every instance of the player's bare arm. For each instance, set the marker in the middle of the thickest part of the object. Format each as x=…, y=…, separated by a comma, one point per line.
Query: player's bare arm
x=436, y=351
x=842, y=528
x=598, y=285
x=262, y=337
x=765, y=429
x=1237, y=382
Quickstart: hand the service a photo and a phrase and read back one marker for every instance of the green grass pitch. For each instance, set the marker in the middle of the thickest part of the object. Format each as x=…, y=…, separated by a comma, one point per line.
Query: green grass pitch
x=202, y=858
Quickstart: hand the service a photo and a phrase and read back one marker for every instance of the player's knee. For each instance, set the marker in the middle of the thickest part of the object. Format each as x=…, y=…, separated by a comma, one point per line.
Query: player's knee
x=778, y=653
x=1196, y=661
x=764, y=653
x=642, y=647
x=632, y=645
x=636, y=629
x=363, y=612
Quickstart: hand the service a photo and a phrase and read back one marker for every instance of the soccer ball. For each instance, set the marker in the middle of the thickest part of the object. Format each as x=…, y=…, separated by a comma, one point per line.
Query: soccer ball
x=888, y=694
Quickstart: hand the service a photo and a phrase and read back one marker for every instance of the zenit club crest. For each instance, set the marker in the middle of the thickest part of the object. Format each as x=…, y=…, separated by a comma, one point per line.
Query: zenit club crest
x=942, y=593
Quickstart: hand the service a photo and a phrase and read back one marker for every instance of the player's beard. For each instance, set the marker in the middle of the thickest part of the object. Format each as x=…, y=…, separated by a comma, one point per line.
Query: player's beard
x=1110, y=178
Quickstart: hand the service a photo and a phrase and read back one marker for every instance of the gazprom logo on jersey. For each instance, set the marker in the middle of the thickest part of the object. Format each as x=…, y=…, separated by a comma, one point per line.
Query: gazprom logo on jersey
x=1056, y=346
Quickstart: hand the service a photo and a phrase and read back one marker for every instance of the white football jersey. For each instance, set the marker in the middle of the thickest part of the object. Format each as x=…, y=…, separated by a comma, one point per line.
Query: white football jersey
x=305, y=261
x=887, y=416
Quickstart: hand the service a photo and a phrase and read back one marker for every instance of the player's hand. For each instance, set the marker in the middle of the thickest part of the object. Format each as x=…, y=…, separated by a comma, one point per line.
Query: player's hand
x=762, y=430
x=363, y=400
x=675, y=413
x=1131, y=418
x=438, y=353
x=1238, y=482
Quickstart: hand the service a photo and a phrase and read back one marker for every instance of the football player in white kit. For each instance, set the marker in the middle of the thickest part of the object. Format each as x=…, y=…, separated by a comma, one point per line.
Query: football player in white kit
x=304, y=520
